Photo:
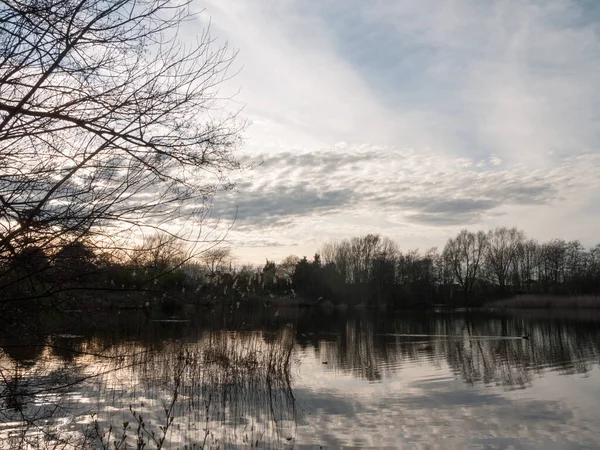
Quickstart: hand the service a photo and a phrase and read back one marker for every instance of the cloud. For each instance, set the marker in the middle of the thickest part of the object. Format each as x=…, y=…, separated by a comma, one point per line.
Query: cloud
x=419, y=188
x=511, y=79
x=414, y=118
x=296, y=91
x=277, y=204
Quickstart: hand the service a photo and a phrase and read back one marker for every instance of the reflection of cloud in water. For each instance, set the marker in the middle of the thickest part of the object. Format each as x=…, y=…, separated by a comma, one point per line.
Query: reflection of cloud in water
x=450, y=415
x=227, y=390
x=439, y=381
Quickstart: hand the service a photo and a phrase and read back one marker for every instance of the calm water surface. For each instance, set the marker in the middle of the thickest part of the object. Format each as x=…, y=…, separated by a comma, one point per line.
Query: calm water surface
x=305, y=379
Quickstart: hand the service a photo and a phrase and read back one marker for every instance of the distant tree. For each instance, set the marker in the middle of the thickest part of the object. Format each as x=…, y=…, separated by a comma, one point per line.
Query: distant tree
x=160, y=262
x=317, y=260
x=328, y=252
x=501, y=253
x=74, y=262
x=303, y=277
x=575, y=262
x=465, y=255
x=338, y=253
x=593, y=269
x=246, y=277
x=383, y=279
x=288, y=265
x=428, y=266
x=362, y=252
x=552, y=259
x=527, y=255
x=160, y=252
x=408, y=267
x=216, y=259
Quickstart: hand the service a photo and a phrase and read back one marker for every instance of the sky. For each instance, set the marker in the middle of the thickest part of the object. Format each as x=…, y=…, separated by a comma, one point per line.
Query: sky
x=410, y=119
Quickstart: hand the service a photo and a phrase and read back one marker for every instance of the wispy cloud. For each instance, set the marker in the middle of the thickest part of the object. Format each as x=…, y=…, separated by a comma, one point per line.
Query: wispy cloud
x=276, y=205
x=415, y=118
x=411, y=190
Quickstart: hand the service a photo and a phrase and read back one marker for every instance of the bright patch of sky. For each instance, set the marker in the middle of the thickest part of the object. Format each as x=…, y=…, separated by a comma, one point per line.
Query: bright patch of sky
x=412, y=120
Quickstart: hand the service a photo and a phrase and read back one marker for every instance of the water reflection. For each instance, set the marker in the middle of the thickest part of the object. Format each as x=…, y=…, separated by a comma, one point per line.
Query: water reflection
x=477, y=348
x=229, y=382
x=222, y=388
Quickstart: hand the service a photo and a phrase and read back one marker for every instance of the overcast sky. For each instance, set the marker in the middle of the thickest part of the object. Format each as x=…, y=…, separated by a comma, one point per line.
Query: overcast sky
x=412, y=119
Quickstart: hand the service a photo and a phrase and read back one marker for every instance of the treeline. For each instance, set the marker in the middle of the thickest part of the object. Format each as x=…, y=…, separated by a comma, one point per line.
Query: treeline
x=472, y=268
x=160, y=272
x=38, y=276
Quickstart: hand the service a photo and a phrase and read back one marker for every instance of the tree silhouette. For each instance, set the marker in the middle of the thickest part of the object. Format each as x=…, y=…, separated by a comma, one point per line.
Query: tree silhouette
x=108, y=124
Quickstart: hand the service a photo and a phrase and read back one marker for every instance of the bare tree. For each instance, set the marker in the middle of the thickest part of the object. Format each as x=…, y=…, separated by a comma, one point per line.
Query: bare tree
x=552, y=258
x=108, y=124
x=575, y=261
x=216, y=259
x=161, y=252
x=502, y=251
x=288, y=264
x=527, y=255
x=339, y=253
x=465, y=255
x=354, y=258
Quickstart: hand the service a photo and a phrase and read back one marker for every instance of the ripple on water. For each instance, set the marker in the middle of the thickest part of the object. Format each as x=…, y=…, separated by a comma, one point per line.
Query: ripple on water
x=426, y=381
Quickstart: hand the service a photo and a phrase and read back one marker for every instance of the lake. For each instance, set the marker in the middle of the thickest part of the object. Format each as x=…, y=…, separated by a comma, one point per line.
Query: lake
x=304, y=378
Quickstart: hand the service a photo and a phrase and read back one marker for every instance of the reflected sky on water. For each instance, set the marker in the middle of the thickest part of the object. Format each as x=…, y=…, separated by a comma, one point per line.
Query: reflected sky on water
x=305, y=379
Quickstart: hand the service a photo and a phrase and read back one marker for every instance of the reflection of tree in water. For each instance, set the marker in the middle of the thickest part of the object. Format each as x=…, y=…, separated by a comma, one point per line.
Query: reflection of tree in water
x=34, y=389
x=477, y=348
x=559, y=346
x=226, y=389
x=237, y=385
x=354, y=349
